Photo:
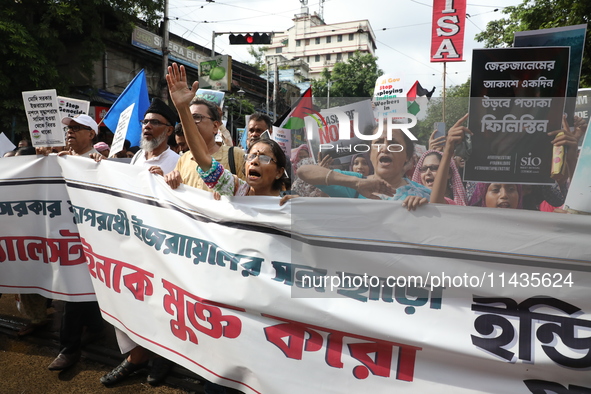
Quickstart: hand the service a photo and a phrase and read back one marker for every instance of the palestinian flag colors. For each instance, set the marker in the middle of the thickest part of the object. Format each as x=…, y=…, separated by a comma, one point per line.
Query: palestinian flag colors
x=415, y=92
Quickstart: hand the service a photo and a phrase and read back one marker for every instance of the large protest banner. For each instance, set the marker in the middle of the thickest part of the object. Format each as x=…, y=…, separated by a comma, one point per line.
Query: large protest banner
x=271, y=299
x=40, y=248
x=517, y=97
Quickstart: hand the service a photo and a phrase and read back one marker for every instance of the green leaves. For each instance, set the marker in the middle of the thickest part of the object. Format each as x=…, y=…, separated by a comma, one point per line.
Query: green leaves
x=541, y=14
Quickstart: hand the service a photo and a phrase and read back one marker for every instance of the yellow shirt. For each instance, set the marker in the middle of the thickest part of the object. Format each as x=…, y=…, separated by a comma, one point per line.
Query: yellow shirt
x=187, y=166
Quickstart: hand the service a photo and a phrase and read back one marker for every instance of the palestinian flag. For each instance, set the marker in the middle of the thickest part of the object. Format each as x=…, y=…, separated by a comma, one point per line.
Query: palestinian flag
x=293, y=119
x=415, y=92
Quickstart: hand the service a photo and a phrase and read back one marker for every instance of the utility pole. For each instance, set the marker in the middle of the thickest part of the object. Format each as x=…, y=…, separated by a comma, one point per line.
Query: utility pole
x=164, y=91
x=275, y=92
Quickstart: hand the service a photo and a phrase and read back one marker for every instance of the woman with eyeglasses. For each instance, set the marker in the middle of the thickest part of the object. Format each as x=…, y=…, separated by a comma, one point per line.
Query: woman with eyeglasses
x=426, y=171
x=265, y=160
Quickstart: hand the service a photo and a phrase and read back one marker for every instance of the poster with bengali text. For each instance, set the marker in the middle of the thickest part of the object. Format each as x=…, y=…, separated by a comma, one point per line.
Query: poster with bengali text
x=517, y=98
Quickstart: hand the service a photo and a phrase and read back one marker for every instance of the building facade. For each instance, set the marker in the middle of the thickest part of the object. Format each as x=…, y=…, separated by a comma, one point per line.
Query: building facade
x=322, y=45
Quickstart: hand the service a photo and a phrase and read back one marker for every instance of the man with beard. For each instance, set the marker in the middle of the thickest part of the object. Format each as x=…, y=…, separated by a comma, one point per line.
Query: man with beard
x=157, y=126
x=154, y=154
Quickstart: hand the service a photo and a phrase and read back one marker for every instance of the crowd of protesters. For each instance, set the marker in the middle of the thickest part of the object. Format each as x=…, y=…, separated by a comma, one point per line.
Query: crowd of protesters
x=182, y=147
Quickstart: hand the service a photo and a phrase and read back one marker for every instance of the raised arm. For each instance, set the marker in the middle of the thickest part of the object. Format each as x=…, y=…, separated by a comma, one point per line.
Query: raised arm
x=181, y=96
x=455, y=135
x=320, y=176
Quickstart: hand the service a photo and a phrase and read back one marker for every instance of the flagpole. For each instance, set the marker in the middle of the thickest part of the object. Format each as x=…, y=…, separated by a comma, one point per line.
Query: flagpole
x=444, y=72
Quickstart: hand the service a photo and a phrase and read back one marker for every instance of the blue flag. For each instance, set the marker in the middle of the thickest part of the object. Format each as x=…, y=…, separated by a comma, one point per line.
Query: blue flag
x=135, y=93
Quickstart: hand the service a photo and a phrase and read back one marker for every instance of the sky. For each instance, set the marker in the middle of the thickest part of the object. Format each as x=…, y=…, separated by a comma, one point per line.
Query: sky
x=402, y=29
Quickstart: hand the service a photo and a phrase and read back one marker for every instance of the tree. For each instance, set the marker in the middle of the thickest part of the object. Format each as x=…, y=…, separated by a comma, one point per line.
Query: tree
x=541, y=14
x=354, y=78
x=456, y=106
x=258, y=54
x=45, y=42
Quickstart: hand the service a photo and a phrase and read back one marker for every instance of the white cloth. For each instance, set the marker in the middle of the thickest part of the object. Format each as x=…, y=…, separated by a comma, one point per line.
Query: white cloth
x=166, y=160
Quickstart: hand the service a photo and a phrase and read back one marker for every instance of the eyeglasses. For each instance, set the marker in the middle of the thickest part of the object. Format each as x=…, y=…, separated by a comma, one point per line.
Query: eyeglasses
x=76, y=128
x=154, y=122
x=197, y=118
x=433, y=168
x=263, y=159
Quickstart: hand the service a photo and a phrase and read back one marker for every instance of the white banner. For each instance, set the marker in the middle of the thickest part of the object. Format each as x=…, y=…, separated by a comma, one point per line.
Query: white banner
x=328, y=295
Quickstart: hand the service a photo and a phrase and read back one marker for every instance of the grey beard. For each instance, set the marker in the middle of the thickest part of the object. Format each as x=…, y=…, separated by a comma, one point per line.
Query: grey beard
x=150, y=146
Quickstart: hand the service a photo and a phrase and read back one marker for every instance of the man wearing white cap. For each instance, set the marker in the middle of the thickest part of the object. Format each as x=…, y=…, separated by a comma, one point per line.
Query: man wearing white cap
x=81, y=131
x=80, y=134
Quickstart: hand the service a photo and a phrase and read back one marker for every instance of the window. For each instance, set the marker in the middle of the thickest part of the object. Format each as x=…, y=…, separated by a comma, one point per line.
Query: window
x=307, y=59
x=340, y=38
x=351, y=36
x=317, y=58
x=317, y=40
x=328, y=39
x=339, y=57
x=307, y=41
x=328, y=57
x=279, y=50
x=298, y=43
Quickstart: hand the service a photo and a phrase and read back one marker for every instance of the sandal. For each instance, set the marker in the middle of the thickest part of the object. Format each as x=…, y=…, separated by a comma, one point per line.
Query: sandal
x=121, y=372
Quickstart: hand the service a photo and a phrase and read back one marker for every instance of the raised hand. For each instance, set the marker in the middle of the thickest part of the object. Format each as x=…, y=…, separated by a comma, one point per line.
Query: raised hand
x=456, y=134
x=177, y=86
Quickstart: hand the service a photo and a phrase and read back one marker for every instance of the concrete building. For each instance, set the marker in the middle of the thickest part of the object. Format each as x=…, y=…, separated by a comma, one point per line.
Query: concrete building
x=322, y=45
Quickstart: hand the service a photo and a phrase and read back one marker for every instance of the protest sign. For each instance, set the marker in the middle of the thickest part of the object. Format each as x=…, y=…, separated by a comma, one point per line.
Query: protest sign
x=571, y=36
x=447, y=30
x=389, y=96
x=270, y=299
x=43, y=115
x=325, y=131
x=215, y=96
x=6, y=145
x=70, y=107
x=583, y=107
x=516, y=98
x=121, y=131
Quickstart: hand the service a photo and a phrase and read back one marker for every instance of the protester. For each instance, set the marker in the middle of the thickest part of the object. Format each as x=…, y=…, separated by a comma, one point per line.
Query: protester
x=299, y=153
x=426, y=171
x=388, y=181
x=257, y=124
x=157, y=157
x=304, y=189
x=207, y=119
x=265, y=161
x=81, y=132
x=179, y=137
x=102, y=148
x=361, y=164
x=80, y=136
x=157, y=126
x=24, y=143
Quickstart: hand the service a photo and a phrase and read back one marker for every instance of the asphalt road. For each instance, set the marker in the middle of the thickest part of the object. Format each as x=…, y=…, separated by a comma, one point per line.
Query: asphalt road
x=23, y=362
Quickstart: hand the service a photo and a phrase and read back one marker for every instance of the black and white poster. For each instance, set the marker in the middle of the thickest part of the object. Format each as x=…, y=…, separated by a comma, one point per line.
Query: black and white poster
x=517, y=97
